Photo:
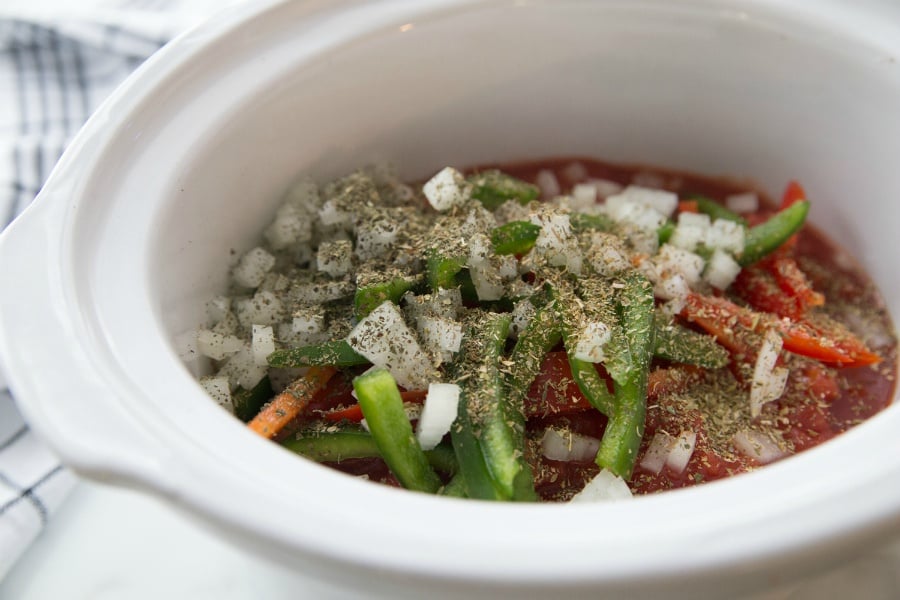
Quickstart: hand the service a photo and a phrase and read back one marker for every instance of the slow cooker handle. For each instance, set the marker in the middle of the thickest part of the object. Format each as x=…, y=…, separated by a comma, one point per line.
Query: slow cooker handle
x=61, y=394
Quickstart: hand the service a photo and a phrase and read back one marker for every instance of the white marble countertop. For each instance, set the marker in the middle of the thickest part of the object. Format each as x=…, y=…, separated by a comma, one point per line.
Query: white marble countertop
x=112, y=544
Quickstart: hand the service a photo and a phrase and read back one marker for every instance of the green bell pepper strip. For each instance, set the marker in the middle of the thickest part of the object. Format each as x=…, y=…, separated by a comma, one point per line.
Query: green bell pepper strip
x=492, y=188
x=589, y=381
x=515, y=237
x=487, y=435
x=710, y=207
x=370, y=297
x=679, y=344
x=247, y=403
x=336, y=354
x=441, y=269
x=382, y=407
x=455, y=488
x=625, y=428
x=538, y=338
x=768, y=236
x=586, y=222
x=332, y=445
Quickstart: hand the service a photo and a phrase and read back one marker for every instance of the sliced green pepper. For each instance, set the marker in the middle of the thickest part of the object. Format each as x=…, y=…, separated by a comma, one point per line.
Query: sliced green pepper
x=492, y=188
x=247, y=403
x=625, y=428
x=589, y=381
x=336, y=354
x=486, y=435
x=382, y=407
x=441, y=269
x=370, y=297
x=767, y=237
x=515, y=237
x=715, y=210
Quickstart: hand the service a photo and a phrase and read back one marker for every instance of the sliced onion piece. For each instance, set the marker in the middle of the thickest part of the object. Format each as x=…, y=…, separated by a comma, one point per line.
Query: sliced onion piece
x=747, y=202
x=438, y=414
x=768, y=381
x=657, y=452
x=565, y=445
x=262, y=343
x=681, y=450
x=384, y=338
x=757, y=446
x=448, y=188
x=604, y=487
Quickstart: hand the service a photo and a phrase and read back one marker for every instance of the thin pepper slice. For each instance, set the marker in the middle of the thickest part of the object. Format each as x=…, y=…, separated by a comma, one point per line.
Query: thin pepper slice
x=486, y=435
x=715, y=210
x=625, y=428
x=348, y=443
x=765, y=238
x=370, y=297
x=515, y=237
x=247, y=403
x=591, y=384
x=539, y=337
x=382, y=406
x=337, y=354
x=441, y=269
x=492, y=188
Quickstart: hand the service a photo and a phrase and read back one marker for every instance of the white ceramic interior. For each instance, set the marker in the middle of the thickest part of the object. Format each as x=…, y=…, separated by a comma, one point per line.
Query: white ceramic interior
x=187, y=161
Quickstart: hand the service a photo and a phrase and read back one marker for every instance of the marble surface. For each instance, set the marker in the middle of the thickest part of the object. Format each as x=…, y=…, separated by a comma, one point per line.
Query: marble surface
x=112, y=544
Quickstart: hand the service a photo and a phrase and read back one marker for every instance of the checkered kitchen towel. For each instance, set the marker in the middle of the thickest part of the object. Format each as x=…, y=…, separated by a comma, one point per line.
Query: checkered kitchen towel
x=58, y=61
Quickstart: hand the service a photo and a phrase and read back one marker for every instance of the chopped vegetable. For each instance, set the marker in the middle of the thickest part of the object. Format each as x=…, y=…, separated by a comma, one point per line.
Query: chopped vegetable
x=571, y=331
x=383, y=408
x=290, y=404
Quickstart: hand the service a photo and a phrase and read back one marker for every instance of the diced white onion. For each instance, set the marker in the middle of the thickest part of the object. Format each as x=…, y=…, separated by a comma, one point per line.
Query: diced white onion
x=383, y=337
x=654, y=458
x=217, y=308
x=747, y=202
x=216, y=345
x=672, y=260
x=242, y=370
x=681, y=450
x=442, y=337
x=605, y=188
x=591, y=341
x=624, y=208
x=262, y=343
x=575, y=172
x=585, y=194
x=757, y=446
x=549, y=184
x=671, y=286
x=252, y=267
x=605, y=486
x=446, y=189
x=291, y=225
x=218, y=388
x=768, y=381
x=438, y=414
x=375, y=238
x=690, y=230
x=331, y=214
x=335, y=258
x=662, y=201
x=565, y=445
x=721, y=270
x=726, y=235
x=264, y=308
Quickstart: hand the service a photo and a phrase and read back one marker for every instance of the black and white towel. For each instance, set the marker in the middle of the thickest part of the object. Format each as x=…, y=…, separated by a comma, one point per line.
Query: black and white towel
x=58, y=60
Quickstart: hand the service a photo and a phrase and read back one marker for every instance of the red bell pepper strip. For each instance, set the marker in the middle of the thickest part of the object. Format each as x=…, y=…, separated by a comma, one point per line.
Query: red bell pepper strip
x=832, y=344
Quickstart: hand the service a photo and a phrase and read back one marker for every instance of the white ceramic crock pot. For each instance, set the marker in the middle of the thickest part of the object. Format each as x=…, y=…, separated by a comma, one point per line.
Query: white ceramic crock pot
x=187, y=161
